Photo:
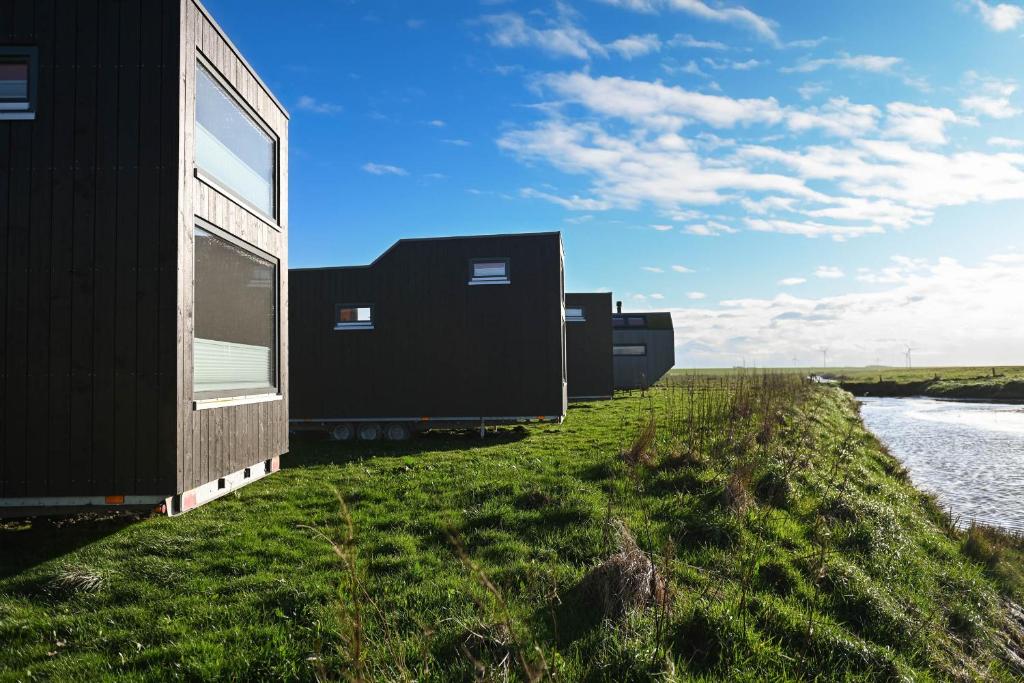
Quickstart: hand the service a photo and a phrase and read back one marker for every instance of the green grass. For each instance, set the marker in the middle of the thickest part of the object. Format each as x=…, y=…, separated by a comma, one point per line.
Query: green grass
x=791, y=544
x=998, y=383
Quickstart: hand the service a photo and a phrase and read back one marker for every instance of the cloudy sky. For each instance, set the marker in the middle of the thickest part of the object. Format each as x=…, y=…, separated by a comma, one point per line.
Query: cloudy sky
x=783, y=176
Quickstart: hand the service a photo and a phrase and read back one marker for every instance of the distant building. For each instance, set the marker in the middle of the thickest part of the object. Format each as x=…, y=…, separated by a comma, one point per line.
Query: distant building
x=588, y=334
x=643, y=349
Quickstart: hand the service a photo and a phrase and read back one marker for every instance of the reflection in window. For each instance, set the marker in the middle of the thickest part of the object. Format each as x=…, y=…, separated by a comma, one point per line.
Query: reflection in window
x=231, y=147
x=17, y=87
x=489, y=272
x=353, y=317
x=629, y=350
x=575, y=315
x=235, y=318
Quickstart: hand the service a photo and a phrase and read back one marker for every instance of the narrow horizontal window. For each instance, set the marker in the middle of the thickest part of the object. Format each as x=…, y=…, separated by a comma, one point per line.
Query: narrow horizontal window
x=636, y=321
x=235, y=344
x=489, y=272
x=232, y=148
x=353, y=317
x=575, y=315
x=18, y=70
x=629, y=350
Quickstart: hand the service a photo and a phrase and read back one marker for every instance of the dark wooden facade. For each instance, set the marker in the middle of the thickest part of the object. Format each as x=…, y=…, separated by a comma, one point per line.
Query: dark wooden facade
x=589, y=346
x=655, y=334
x=440, y=348
x=98, y=200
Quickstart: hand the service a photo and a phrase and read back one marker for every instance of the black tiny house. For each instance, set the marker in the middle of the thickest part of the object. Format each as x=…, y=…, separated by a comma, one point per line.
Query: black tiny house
x=588, y=341
x=643, y=348
x=459, y=331
x=143, y=258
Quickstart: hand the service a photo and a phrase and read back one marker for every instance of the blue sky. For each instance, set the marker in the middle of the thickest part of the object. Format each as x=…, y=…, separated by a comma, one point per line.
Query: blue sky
x=782, y=176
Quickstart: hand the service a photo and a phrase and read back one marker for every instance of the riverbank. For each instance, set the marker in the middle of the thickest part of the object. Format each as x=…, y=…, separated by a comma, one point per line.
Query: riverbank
x=744, y=528
x=991, y=384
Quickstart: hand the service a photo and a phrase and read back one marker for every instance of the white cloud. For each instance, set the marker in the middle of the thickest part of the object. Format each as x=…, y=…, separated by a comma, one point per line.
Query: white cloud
x=991, y=97
x=561, y=37
x=436, y=123
x=696, y=296
x=653, y=269
x=809, y=90
x=311, y=104
x=682, y=269
x=384, y=169
x=919, y=124
x=657, y=295
x=829, y=272
x=1010, y=143
x=872, y=63
x=709, y=229
x=738, y=16
x=635, y=46
x=733, y=64
x=458, y=142
x=792, y=281
x=662, y=227
x=574, y=203
x=1001, y=16
x=686, y=40
x=837, y=117
x=913, y=302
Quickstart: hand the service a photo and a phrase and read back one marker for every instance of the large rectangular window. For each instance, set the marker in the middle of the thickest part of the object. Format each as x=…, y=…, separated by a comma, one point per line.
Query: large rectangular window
x=18, y=71
x=575, y=314
x=232, y=148
x=629, y=350
x=235, y=350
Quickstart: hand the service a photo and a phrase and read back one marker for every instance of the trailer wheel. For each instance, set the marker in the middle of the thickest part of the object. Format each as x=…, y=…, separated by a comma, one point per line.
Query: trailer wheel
x=342, y=432
x=397, y=431
x=369, y=431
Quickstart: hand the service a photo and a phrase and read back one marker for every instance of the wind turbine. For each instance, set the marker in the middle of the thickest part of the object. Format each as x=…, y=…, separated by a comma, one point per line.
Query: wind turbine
x=824, y=357
x=909, y=363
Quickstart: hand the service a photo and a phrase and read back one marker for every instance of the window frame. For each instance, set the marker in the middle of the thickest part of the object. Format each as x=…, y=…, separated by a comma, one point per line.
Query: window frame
x=357, y=325
x=581, y=318
x=31, y=54
x=629, y=355
x=275, y=390
x=477, y=280
x=208, y=178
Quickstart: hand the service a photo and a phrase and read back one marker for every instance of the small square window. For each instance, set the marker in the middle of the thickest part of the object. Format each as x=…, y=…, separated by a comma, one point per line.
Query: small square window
x=489, y=271
x=629, y=350
x=18, y=69
x=353, y=317
x=575, y=314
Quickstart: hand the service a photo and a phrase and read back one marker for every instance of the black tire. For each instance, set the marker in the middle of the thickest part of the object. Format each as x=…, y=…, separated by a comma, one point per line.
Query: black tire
x=397, y=431
x=369, y=431
x=343, y=432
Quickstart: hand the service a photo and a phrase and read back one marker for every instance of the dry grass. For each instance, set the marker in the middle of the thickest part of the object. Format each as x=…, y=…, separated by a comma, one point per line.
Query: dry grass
x=626, y=581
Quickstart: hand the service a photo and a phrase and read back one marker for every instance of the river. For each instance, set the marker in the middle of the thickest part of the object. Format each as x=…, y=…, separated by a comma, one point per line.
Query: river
x=970, y=454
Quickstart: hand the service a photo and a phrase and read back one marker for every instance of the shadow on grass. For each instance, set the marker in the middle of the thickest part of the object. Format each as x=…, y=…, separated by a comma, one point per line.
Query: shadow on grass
x=313, y=448
x=25, y=543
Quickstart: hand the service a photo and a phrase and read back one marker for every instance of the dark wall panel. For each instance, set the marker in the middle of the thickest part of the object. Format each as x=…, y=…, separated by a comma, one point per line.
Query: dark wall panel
x=80, y=212
x=439, y=347
x=589, y=346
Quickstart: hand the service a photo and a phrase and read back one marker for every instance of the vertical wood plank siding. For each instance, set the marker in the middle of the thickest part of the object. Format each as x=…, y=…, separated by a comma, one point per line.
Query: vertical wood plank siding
x=640, y=372
x=222, y=440
x=439, y=347
x=589, y=346
x=97, y=199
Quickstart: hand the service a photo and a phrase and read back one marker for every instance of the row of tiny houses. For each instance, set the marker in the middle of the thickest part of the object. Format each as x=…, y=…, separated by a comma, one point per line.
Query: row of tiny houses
x=144, y=283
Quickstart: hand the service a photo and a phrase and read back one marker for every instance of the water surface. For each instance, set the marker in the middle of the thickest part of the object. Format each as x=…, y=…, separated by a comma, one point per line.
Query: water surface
x=970, y=454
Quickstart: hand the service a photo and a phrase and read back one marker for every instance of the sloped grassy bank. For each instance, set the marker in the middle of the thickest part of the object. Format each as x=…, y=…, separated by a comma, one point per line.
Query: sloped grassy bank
x=993, y=384
x=740, y=528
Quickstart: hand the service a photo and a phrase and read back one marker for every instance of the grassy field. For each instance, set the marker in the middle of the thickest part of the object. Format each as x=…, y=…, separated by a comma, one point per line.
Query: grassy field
x=1003, y=383
x=741, y=528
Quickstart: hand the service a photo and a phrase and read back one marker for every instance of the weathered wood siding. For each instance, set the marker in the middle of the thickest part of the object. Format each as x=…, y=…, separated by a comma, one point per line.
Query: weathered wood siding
x=88, y=242
x=439, y=347
x=222, y=440
x=97, y=198
x=589, y=346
